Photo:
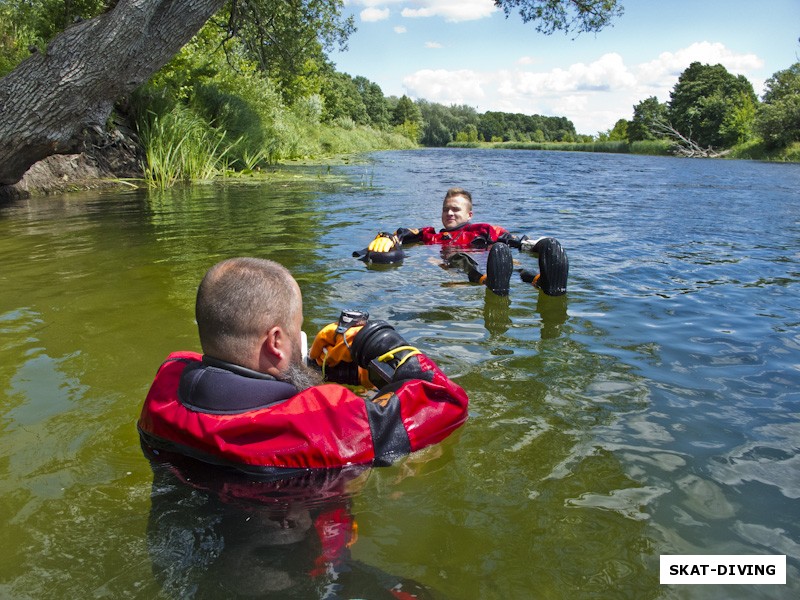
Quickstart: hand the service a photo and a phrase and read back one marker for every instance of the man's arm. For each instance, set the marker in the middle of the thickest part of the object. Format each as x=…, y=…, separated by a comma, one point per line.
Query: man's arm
x=415, y=405
x=408, y=236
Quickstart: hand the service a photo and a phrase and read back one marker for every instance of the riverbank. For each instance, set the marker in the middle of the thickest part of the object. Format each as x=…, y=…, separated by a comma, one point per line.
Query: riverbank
x=115, y=160
x=754, y=150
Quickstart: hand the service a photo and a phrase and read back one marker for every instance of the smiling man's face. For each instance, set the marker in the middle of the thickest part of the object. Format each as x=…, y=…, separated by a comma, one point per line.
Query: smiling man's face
x=456, y=211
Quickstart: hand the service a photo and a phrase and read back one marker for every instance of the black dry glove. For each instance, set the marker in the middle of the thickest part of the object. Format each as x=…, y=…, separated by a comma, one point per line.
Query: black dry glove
x=512, y=241
x=380, y=350
x=407, y=236
x=463, y=261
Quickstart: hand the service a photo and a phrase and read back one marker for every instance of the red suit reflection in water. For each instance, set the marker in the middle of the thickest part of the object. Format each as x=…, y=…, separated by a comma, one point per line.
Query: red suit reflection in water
x=216, y=534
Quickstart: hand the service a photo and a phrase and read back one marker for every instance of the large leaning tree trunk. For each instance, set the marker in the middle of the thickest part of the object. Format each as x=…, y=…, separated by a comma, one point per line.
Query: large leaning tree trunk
x=51, y=99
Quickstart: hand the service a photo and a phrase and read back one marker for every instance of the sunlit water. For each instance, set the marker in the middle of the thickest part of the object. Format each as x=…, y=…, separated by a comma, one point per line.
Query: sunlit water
x=653, y=411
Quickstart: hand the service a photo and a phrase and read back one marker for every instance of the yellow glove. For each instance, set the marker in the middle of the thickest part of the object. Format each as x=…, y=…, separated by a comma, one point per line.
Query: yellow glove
x=383, y=242
x=330, y=349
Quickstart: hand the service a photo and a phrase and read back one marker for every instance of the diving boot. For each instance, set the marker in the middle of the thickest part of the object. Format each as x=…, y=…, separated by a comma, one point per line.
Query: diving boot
x=499, y=267
x=553, y=267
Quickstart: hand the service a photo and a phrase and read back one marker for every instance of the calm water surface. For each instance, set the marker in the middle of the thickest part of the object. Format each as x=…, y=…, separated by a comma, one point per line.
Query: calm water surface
x=653, y=411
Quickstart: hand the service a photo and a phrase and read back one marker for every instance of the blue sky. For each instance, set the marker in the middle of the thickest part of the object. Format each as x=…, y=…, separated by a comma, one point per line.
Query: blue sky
x=467, y=52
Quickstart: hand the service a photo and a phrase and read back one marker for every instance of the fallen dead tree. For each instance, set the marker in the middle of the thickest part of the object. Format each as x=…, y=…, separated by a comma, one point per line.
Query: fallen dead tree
x=684, y=145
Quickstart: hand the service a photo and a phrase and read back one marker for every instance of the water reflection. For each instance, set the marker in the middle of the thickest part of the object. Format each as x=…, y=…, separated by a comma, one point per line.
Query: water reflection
x=213, y=534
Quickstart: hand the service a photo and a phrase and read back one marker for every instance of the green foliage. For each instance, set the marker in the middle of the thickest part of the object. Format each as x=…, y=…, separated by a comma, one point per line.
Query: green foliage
x=342, y=99
x=443, y=124
x=618, y=147
x=618, y=133
x=711, y=106
x=779, y=122
x=309, y=109
x=565, y=15
x=38, y=21
x=514, y=126
x=406, y=112
x=374, y=102
x=778, y=118
x=758, y=149
x=246, y=121
x=646, y=114
x=327, y=140
x=409, y=129
x=470, y=135
x=15, y=41
x=223, y=90
x=651, y=147
x=737, y=124
x=288, y=40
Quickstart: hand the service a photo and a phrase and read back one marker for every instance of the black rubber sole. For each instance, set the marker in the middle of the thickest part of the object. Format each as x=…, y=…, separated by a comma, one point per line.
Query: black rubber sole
x=499, y=267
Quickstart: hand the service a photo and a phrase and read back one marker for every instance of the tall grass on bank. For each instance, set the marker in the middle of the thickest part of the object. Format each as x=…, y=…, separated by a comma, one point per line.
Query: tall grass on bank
x=181, y=147
x=758, y=150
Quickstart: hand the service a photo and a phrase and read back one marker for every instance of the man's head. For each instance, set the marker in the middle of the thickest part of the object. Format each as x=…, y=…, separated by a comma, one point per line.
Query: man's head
x=249, y=312
x=457, y=208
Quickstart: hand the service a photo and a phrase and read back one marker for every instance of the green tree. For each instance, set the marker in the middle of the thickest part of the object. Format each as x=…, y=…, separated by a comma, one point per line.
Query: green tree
x=374, y=101
x=436, y=124
x=443, y=124
x=289, y=39
x=45, y=18
x=492, y=125
x=342, y=100
x=406, y=112
x=646, y=114
x=710, y=106
x=470, y=134
x=26, y=25
x=619, y=132
x=778, y=117
x=225, y=90
x=49, y=103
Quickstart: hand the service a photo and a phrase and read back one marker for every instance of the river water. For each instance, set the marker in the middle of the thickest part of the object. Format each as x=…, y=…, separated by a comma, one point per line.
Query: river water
x=654, y=410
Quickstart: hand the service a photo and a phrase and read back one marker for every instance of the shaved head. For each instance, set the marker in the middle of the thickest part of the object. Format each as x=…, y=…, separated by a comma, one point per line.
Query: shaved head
x=238, y=300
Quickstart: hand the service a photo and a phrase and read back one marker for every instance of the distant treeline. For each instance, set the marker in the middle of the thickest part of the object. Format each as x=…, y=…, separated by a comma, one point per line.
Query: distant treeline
x=229, y=102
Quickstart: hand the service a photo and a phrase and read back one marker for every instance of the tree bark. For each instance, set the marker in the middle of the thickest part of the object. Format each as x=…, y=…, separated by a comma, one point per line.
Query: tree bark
x=51, y=99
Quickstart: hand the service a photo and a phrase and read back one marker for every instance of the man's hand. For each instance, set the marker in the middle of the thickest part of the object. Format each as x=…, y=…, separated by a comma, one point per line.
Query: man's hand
x=331, y=348
x=331, y=352
x=383, y=242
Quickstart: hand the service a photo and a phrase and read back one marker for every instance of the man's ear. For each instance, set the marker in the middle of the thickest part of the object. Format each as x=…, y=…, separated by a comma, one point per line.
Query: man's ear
x=275, y=343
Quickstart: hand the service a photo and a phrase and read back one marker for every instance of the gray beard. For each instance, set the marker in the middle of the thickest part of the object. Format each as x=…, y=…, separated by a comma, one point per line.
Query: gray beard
x=301, y=376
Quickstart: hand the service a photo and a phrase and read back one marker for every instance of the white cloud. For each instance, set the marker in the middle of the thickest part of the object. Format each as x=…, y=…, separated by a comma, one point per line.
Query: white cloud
x=450, y=10
x=400, y=29
x=527, y=60
x=372, y=3
x=447, y=87
x=661, y=74
x=593, y=96
x=433, y=45
x=370, y=15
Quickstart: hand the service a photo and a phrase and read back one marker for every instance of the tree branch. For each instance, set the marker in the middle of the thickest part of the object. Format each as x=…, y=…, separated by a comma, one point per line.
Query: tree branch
x=685, y=145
